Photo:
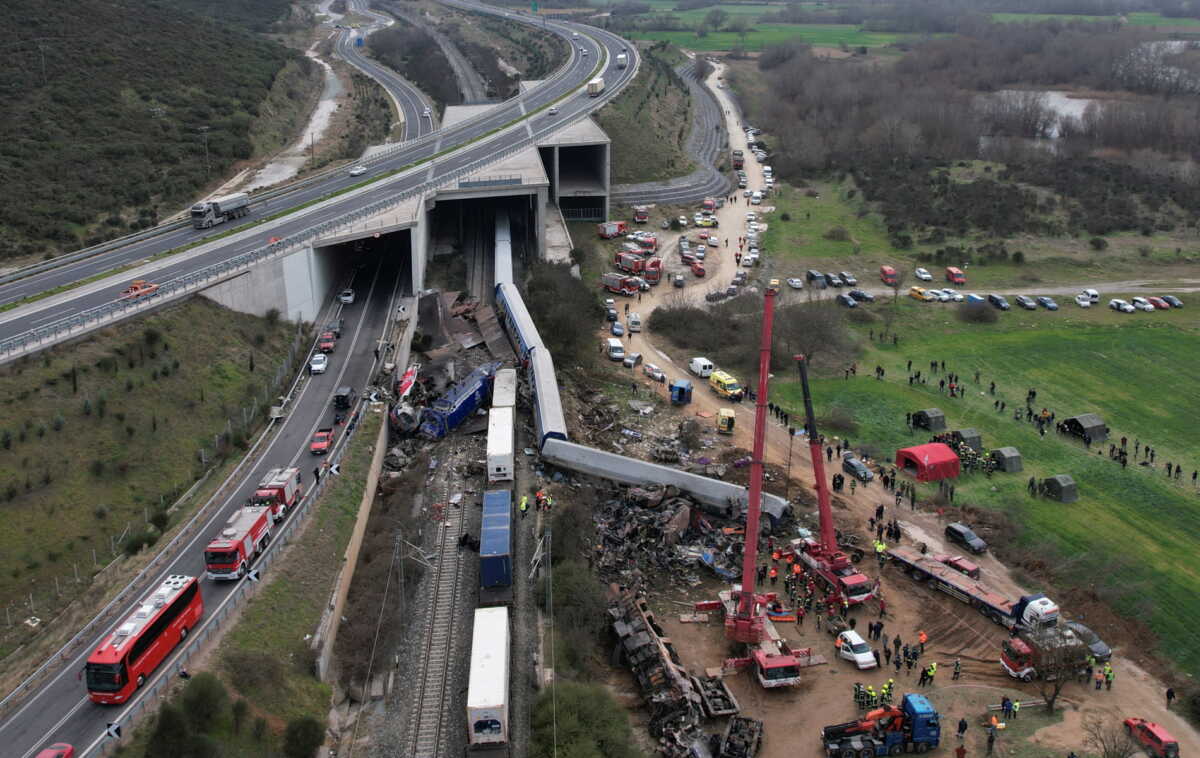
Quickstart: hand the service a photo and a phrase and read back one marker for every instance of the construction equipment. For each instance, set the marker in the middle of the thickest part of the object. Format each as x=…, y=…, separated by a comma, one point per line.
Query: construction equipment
x=824, y=556
x=138, y=288
x=912, y=727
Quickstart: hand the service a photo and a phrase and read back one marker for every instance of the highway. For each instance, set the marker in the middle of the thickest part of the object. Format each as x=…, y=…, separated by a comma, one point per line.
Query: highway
x=58, y=710
x=580, y=67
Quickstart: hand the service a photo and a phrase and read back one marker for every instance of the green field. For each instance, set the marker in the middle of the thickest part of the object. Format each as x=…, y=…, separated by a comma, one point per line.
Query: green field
x=806, y=232
x=764, y=35
x=1134, y=19
x=1132, y=534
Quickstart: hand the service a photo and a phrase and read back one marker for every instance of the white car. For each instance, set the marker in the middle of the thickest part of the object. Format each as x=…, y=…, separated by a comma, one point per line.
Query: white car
x=358, y=170
x=1083, y=301
x=751, y=216
x=795, y=283
x=318, y=364
x=942, y=295
x=852, y=647
x=749, y=259
x=954, y=294
x=346, y=296
x=654, y=372
x=1142, y=304
x=1120, y=305
x=923, y=275
x=553, y=111
x=683, y=221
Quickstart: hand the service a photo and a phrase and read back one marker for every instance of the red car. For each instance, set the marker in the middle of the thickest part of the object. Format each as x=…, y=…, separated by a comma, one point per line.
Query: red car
x=698, y=269
x=58, y=750
x=959, y=563
x=327, y=342
x=1152, y=738
x=321, y=442
x=1159, y=303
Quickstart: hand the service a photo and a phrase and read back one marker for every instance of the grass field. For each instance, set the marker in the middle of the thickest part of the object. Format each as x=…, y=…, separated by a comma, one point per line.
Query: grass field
x=1134, y=19
x=764, y=35
x=95, y=435
x=1132, y=533
x=806, y=233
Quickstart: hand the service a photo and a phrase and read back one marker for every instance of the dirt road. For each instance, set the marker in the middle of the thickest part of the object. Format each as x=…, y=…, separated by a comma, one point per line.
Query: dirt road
x=954, y=630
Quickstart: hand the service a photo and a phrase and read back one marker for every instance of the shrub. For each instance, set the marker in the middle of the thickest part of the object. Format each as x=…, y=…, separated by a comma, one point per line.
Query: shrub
x=303, y=736
x=58, y=422
x=1018, y=257
x=100, y=512
x=97, y=468
x=272, y=317
x=203, y=700
x=160, y=519
x=785, y=216
x=977, y=313
x=170, y=735
x=151, y=335
x=837, y=234
x=135, y=542
x=240, y=711
x=1098, y=243
x=585, y=720
x=252, y=671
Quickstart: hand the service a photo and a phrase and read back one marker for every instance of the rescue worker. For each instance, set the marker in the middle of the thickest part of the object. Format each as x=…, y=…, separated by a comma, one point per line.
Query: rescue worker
x=858, y=695
x=796, y=569
x=1108, y=676
x=1099, y=679
x=524, y=506
x=922, y=638
x=775, y=556
x=880, y=553
x=774, y=574
x=957, y=669
x=1016, y=708
x=872, y=698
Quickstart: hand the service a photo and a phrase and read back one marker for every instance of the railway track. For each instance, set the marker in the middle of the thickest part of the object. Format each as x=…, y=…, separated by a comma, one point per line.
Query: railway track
x=427, y=723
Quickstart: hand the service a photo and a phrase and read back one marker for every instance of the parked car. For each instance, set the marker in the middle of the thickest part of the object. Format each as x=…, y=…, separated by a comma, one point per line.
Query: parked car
x=817, y=279
x=856, y=468
x=1092, y=295
x=617, y=330
x=955, y=295
x=1159, y=303
x=998, y=301
x=632, y=360
x=1083, y=301
x=1142, y=304
x=677, y=280
x=961, y=534
x=846, y=300
x=923, y=275
x=654, y=372
x=850, y=645
x=1118, y=304
x=318, y=364
x=740, y=278
x=1155, y=740
x=920, y=293
x=346, y=296
x=1026, y=302
x=610, y=314
x=862, y=296
x=796, y=284
x=833, y=280
x=1096, y=646
x=942, y=296
x=1173, y=301
x=848, y=279
x=683, y=221
x=1047, y=303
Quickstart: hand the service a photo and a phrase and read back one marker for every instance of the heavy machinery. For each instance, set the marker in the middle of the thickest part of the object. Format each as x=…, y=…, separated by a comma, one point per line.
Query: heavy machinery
x=824, y=556
x=911, y=727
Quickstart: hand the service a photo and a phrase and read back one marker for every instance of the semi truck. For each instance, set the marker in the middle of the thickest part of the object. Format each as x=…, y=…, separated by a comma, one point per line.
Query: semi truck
x=280, y=490
x=219, y=210
x=245, y=534
x=1032, y=612
x=912, y=727
x=1044, y=654
x=622, y=60
x=595, y=87
x=461, y=401
x=620, y=284
x=611, y=229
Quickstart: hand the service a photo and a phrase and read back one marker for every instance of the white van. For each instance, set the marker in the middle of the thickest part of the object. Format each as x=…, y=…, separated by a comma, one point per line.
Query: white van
x=1092, y=295
x=756, y=198
x=634, y=322
x=614, y=349
x=767, y=170
x=701, y=367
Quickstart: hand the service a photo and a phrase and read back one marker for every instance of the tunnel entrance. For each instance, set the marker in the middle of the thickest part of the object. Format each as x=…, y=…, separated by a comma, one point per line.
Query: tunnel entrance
x=578, y=165
x=462, y=242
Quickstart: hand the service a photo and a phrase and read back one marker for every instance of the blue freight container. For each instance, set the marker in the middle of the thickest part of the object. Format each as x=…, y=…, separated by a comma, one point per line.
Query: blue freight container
x=495, y=541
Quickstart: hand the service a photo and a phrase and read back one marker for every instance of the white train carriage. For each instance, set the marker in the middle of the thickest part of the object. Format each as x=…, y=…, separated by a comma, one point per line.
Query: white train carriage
x=549, y=421
x=503, y=249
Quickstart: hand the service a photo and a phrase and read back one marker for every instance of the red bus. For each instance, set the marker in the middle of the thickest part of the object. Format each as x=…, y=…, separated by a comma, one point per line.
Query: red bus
x=128, y=656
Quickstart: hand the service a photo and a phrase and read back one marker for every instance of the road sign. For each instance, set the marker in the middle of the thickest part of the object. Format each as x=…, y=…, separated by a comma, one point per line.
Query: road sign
x=253, y=575
x=113, y=730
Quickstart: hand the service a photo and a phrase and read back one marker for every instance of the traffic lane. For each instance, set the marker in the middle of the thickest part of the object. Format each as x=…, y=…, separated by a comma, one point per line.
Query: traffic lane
x=139, y=251
x=290, y=446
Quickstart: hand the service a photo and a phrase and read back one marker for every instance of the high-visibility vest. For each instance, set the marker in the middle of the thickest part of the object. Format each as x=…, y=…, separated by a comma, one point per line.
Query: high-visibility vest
x=796, y=569
x=525, y=502
x=774, y=572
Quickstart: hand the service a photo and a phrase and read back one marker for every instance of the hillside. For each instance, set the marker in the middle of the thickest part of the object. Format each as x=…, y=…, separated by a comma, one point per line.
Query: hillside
x=105, y=108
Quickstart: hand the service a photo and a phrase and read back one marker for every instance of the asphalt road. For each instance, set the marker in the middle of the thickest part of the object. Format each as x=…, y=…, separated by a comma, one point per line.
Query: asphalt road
x=60, y=710
x=42, y=313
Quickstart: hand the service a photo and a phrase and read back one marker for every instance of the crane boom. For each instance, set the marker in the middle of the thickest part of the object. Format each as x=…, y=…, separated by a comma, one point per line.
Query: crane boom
x=824, y=511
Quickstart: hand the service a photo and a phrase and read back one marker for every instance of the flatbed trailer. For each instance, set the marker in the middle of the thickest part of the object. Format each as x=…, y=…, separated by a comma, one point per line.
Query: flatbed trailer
x=1030, y=611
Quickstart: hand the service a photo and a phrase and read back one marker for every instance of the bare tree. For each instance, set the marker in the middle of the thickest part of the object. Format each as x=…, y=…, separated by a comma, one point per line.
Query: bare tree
x=811, y=329
x=1106, y=737
x=897, y=285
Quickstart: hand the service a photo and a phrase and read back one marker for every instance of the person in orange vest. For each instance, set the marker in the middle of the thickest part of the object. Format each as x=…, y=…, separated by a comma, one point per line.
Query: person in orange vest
x=775, y=557
x=790, y=558
x=796, y=569
x=774, y=575
x=922, y=638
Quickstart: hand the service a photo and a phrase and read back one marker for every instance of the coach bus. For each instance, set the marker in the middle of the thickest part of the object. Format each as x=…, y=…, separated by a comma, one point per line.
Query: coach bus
x=128, y=656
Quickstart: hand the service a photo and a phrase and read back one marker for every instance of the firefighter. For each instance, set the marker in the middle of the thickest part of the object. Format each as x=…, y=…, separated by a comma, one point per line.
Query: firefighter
x=922, y=638
x=872, y=698
x=858, y=695
x=796, y=569
x=774, y=574
x=524, y=505
x=1108, y=676
x=775, y=556
x=539, y=499
x=957, y=669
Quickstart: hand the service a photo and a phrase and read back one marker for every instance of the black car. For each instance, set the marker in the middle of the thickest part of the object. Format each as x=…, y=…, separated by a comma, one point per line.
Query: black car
x=1100, y=651
x=833, y=280
x=610, y=314
x=1047, y=303
x=862, y=296
x=846, y=300
x=854, y=467
x=678, y=280
x=962, y=534
x=999, y=302
x=817, y=279
x=1026, y=302
x=336, y=327
x=1173, y=301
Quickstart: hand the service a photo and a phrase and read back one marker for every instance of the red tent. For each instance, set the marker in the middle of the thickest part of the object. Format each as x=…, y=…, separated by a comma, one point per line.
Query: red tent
x=930, y=462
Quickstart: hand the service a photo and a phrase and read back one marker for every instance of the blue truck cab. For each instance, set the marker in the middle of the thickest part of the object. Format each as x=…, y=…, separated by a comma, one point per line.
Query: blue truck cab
x=913, y=727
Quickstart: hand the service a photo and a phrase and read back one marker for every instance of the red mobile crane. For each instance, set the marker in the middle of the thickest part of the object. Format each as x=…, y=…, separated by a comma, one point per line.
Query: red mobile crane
x=823, y=557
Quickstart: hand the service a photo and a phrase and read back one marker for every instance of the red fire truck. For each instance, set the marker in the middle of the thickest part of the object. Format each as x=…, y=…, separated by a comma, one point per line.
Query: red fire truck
x=127, y=657
x=280, y=490
x=245, y=535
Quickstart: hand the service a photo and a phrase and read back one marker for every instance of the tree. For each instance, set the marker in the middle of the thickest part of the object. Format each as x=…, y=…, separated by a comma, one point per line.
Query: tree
x=204, y=699
x=303, y=736
x=741, y=27
x=1107, y=738
x=240, y=711
x=1058, y=663
x=897, y=285
x=584, y=721
x=715, y=19
x=810, y=329
x=170, y=735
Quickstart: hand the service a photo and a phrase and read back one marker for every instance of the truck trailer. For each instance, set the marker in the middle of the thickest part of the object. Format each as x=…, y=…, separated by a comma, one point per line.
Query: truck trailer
x=500, y=445
x=595, y=87
x=280, y=490
x=487, y=687
x=219, y=210
x=504, y=389
x=1033, y=612
x=495, y=541
x=245, y=534
x=911, y=727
